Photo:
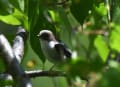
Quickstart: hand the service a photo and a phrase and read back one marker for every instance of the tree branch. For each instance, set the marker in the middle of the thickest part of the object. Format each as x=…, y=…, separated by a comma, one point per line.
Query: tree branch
x=40, y=73
x=37, y=73
x=12, y=64
x=19, y=41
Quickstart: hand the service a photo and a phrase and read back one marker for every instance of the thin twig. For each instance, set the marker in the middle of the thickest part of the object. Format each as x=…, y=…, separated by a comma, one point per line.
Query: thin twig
x=41, y=73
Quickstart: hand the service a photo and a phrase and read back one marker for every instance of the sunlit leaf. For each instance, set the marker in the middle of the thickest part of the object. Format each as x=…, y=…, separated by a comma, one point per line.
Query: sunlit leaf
x=101, y=9
x=115, y=38
x=22, y=17
x=15, y=18
x=101, y=47
x=10, y=19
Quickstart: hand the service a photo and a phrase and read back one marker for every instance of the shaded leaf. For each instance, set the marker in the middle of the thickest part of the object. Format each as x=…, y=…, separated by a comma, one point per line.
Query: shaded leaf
x=37, y=22
x=2, y=67
x=19, y=4
x=77, y=9
x=64, y=26
x=109, y=78
x=5, y=7
x=115, y=11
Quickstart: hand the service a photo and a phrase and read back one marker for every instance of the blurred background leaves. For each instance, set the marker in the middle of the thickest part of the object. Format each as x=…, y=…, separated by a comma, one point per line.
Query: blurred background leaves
x=89, y=28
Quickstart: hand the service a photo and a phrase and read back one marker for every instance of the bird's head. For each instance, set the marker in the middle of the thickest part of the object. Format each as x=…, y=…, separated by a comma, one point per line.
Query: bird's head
x=46, y=35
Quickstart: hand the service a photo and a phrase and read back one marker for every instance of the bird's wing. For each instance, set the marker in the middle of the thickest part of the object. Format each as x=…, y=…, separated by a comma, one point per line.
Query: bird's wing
x=64, y=48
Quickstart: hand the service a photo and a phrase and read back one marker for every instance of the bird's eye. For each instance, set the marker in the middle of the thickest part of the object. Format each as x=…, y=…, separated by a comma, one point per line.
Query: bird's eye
x=45, y=36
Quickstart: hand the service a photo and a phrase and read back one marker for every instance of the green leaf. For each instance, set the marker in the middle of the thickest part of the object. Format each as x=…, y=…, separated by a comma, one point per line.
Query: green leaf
x=115, y=38
x=101, y=47
x=115, y=11
x=37, y=22
x=101, y=9
x=79, y=68
x=35, y=43
x=22, y=17
x=5, y=7
x=2, y=65
x=63, y=26
x=73, y=21
x=81, y=44
x=80, y=9
x=34, y=29
x=10, y=19
x=16, y=18
x=19, y=4
x=109, y=78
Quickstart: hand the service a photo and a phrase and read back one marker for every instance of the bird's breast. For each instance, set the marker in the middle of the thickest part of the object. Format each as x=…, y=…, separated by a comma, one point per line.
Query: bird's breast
x=50, y=52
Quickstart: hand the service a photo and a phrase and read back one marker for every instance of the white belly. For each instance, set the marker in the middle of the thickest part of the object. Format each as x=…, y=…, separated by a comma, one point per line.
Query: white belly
x=50, y=52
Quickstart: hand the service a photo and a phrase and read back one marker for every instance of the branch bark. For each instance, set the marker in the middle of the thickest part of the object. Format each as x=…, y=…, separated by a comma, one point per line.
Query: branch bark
x=11, y=60
x=41, y=73
x=19, y=42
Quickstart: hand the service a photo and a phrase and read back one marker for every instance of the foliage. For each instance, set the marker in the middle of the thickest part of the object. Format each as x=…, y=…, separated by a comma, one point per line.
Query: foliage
x=90, y=28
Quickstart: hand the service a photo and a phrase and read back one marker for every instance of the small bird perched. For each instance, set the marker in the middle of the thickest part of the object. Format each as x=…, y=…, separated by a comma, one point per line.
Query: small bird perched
x=55, y=51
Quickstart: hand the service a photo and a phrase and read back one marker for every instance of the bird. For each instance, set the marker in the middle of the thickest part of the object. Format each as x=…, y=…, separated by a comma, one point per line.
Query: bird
x=55, y=51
